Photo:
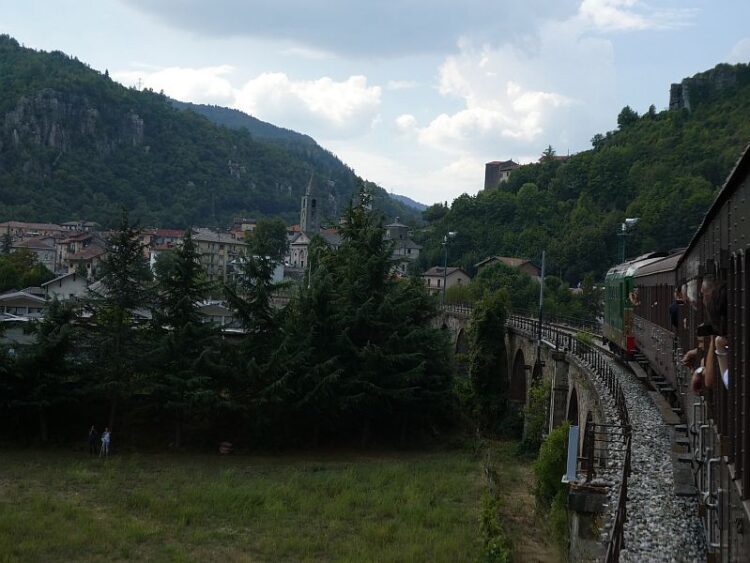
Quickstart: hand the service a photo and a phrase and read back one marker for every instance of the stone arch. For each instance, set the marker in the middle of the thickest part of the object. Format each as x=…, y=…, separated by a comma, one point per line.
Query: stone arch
x=537, y=373
x=572, y=415
x=517, y=391
x=462, y=342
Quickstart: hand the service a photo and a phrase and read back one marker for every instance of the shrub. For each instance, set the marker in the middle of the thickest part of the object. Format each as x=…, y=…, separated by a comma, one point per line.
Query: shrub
x=537, y=417
x=496, y=545
x=550, y=466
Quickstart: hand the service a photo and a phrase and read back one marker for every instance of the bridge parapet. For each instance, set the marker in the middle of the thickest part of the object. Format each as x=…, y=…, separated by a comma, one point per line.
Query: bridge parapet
x=606, y=467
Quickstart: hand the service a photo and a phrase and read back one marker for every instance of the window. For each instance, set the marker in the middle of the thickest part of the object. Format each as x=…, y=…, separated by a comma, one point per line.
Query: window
x=438, y=283
x=429, y=282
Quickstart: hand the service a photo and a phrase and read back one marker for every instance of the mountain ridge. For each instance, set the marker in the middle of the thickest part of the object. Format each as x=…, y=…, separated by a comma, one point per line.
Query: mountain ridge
x=74, y=143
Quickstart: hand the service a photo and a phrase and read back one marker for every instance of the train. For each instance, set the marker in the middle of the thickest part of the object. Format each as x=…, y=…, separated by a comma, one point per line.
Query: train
x=656, y=309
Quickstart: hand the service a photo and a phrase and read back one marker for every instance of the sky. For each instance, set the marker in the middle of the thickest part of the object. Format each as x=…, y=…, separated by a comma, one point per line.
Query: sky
x=415, y=95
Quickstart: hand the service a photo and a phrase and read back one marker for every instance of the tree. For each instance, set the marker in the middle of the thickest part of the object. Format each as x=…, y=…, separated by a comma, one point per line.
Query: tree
x=488, y=363
x=269, y=239
x=46, y=369
x=116, y=336
x=548, y=154
x=185, y=383
x=6, y=245
x=626, y=117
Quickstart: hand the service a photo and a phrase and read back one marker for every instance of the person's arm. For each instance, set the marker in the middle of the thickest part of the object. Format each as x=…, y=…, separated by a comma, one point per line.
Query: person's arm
x=710, y=371
x=722, y=356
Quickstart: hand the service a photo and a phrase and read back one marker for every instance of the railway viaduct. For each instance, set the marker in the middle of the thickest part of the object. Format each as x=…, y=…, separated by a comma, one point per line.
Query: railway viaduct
x=530, y=361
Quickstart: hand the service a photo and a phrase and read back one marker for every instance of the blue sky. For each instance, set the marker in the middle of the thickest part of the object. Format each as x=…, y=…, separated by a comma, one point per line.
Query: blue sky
x=413, y=94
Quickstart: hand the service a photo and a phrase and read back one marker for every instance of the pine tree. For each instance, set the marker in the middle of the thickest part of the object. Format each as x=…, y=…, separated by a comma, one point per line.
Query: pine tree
x=185, y=382
x=6, y=246
x=124, y=295
x=47, y=375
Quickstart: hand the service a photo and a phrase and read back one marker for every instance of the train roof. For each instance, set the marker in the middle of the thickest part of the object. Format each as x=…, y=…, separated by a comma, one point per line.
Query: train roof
x=734, y=180
x=658, y=266
x=629, y=268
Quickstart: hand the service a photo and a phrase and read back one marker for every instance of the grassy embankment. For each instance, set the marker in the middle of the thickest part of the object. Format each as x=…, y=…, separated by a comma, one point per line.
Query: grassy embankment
x=59, y=506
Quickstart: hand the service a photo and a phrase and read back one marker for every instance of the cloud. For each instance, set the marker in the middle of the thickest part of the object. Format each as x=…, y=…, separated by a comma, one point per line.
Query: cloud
x=406, y=123
x=382, y=28
x=401, y=84
x=322, y=107
x=199, y=85
x=337, y=107
x=631, y=15
x=740, y=52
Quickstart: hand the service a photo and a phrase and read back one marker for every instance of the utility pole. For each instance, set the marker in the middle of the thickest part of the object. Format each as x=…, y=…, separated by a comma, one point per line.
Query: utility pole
x=450, y=235
x=541, y=300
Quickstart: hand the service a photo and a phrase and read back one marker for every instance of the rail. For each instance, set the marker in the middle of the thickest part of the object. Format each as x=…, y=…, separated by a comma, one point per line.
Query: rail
x=596, y=360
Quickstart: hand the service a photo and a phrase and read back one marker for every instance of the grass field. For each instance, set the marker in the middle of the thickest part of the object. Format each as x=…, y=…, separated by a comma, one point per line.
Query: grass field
x=59, y=506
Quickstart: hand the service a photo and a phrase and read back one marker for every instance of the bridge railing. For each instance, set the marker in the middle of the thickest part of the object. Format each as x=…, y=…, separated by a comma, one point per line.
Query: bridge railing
x=595, y=359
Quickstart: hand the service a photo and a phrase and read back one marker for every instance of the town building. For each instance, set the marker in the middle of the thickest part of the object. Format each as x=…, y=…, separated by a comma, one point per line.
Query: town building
x=43, y=248
x=88, y=260
x=81, y=226
x=66, y=287
x=24, y=304
x=20, y=229
x=497, y=172
x=218, y=251
x=437, y=278
x=405, y=250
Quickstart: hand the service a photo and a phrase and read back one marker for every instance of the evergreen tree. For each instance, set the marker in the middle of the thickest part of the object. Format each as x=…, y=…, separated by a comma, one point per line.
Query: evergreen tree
x=117, y=338
x=375, y=363
x=185, y=384
x=6, y=245
x=46, y=371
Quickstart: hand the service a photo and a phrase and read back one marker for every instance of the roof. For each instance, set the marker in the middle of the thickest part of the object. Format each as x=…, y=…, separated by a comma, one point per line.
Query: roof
x=658, y=266
x=169, y=233
x=507, y=260
x=437, y=271
x=77, y=237
x=36, y=243
x=163, y=247
x=23, y=225
x=294, y=229
x=629, y=268
x=21, y=295
x=332, y=239
x=59, y=279
x=733, y=181
x=91, y=251
x=504, y=164
x=206, y=235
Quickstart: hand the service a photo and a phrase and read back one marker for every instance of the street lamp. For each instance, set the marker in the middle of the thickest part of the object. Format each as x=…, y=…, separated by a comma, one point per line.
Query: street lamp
x=629, y=222
x=450, y=235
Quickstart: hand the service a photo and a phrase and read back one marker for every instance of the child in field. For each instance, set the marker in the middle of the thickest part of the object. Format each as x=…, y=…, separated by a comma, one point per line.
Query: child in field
x=106, y=437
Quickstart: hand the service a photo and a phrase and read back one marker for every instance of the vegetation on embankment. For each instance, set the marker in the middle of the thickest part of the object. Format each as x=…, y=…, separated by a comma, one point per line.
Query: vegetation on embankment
x=663, y=167
x=376, y=506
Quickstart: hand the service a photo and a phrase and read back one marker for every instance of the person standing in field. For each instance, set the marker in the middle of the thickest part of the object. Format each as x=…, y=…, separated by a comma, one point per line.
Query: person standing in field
x=106, y=437
x=93, y=439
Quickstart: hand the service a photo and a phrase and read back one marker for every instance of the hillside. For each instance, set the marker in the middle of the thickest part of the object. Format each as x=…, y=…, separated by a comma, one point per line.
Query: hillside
x=75, y=144
x=664, y=168
x=301, y=146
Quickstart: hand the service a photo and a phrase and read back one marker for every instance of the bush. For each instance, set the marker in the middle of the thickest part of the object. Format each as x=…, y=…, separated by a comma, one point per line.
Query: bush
x=550, y=466
x=558, y=519
x=496, y=545
x=537, y=417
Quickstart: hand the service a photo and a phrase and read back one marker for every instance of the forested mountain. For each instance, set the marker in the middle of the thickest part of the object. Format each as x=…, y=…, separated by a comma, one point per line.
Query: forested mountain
x=75, y=144
x=662, y=167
